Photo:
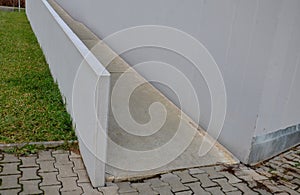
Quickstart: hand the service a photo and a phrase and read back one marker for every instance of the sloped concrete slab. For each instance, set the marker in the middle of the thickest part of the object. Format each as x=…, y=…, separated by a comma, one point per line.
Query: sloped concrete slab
x=141, y=100
x=175, y=145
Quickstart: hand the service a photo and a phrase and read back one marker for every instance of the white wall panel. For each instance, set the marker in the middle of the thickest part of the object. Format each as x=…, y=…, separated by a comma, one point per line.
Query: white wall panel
x=254, y=42
x=77, y=72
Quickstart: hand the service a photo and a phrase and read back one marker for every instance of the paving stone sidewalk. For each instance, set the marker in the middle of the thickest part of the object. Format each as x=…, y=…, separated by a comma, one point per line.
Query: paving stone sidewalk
x=62, y=172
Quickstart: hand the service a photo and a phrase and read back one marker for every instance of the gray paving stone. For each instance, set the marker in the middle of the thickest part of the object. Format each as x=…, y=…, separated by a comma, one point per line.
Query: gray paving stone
x=45, y=156
x=143, y=188
x=220, y=168
x=252, y=184
x=196, y=171
x=62, y=159
x=163, y=190
x=287, y=152
x=289, y=185
x=109, y=190
x=74, y=155
x=49, y=179
x=226, y=187
x=262, y=191
x=234, y=193
x=169, y=176
x=205, y=181
x=29, y=174
x=184, y=193
x=155, y=182
x=276, y=168
x=108, y=184
x=8, y=158
x=10, y=191
x=231, y=178
x=74, y=192
x=296, y=175
x=130, y=193
x=88, y=189
x=276, y=162
x=212, y=173
x=286, y=189
x=125, y=187
x=72, y=177
x=60, y=152
x=78, y=164
x=245, y=189
x=69, y=185
x=243, y=167
x=31, y=187
x=10, y=169
x=296, y=181
x=291, y=168
x=185, y=176
x=82, y=175
x=174, y=182
x=263, y=171
x=282, y=158
x=51, y=190
x=297, y=158
x=215, y=190
x=289, y=157
x=292, y=163
x=28, y=161
x=249, y=175
x=10, y=181
x=271, y=186
x=65, y=170
x=263, y=167
x=46, y=166
x=197, y=189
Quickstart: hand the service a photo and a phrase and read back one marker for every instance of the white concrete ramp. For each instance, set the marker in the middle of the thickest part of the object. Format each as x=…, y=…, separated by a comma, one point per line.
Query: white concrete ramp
x=131, y=154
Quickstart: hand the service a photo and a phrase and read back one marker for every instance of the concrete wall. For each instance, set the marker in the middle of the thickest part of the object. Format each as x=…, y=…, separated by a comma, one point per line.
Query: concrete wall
x=255, y=43
x=82, y=80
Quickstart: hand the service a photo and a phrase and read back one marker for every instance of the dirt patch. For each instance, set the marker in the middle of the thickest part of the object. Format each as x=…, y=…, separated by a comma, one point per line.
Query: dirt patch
x=229, y=170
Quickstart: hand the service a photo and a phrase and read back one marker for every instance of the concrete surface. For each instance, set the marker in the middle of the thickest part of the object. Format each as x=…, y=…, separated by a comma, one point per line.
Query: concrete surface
x=256, y=45
x=140, y=101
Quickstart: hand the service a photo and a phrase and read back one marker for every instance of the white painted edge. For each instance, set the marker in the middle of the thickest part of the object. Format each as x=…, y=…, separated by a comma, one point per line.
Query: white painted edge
x=46, y=144
x=96, y=66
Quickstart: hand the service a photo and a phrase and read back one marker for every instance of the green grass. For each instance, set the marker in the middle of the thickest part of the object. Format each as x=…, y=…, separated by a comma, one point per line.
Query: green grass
x=31, y=107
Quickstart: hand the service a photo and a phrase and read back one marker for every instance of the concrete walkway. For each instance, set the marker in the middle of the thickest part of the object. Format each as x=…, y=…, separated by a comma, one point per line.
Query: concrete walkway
x=62, y=172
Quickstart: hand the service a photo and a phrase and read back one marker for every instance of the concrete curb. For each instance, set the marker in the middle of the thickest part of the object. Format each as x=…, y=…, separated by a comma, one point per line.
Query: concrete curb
x=10, y=9
x=50, y=144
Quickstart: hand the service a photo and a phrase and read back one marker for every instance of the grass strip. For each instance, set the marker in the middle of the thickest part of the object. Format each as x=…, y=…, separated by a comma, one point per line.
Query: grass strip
x=31, y=107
